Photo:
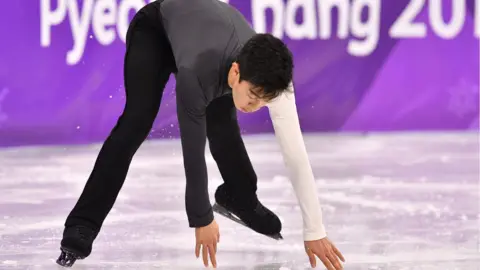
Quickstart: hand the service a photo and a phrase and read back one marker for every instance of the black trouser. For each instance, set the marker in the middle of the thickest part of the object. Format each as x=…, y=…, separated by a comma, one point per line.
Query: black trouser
x=148, y=64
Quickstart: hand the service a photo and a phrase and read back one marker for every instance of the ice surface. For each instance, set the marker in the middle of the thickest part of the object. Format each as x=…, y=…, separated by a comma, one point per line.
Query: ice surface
x=396, y=202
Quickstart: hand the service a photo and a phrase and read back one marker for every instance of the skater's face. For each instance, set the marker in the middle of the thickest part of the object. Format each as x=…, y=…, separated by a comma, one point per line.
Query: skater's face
x=247, y=97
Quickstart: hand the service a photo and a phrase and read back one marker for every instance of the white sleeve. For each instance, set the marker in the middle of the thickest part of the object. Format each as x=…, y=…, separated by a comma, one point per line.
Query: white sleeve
x=283, y=112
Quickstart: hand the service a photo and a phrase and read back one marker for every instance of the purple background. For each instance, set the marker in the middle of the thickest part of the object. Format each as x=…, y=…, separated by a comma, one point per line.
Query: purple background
x=405, y=84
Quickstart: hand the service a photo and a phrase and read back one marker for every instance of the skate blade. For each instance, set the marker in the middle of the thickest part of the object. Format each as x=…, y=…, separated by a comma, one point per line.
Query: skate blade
x=67, y=258
x=224, y=212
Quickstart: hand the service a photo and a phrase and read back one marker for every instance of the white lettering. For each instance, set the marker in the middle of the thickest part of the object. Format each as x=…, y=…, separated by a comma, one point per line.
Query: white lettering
x=49, y=17
x=325, y=8
x=259, y=9
x=80, y=25
x=104, y=16
x=111, y=18
x=477, y=18
x=307, y=29
x=369, y=30
x=405, y=27
x=457, y=21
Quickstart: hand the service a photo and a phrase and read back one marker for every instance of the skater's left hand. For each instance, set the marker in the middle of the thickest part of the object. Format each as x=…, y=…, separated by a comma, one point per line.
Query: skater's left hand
x=326, y=252
x=207, y=238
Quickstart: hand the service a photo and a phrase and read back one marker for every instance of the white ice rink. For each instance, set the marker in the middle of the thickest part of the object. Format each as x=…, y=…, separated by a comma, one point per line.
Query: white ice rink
x=396, y=202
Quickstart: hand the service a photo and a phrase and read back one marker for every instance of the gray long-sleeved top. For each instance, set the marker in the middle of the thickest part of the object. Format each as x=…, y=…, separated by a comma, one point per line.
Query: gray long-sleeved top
x=206, y=36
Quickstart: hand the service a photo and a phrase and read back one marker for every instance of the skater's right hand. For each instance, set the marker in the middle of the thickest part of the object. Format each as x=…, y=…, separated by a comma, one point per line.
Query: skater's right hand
x=326, y=251
x=207, y=238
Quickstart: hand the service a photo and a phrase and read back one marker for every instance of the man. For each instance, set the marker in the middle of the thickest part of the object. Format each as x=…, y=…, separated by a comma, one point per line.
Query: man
x=220, y=65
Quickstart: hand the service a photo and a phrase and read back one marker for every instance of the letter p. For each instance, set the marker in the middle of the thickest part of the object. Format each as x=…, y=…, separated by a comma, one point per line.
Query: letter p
x=49, y=17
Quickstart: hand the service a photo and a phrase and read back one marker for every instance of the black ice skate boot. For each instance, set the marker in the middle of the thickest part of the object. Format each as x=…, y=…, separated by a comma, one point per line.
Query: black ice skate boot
x=76, y=244
x=248, y=212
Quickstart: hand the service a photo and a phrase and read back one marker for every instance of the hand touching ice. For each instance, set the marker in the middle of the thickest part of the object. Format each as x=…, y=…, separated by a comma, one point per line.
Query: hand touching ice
x=207, y=238
x=326, y=252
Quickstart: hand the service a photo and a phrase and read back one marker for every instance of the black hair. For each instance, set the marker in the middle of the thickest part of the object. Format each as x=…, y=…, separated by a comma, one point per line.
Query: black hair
x=266, y=62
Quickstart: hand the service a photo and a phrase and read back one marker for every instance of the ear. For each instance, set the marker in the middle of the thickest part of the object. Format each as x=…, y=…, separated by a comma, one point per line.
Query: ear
x=236, y=68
